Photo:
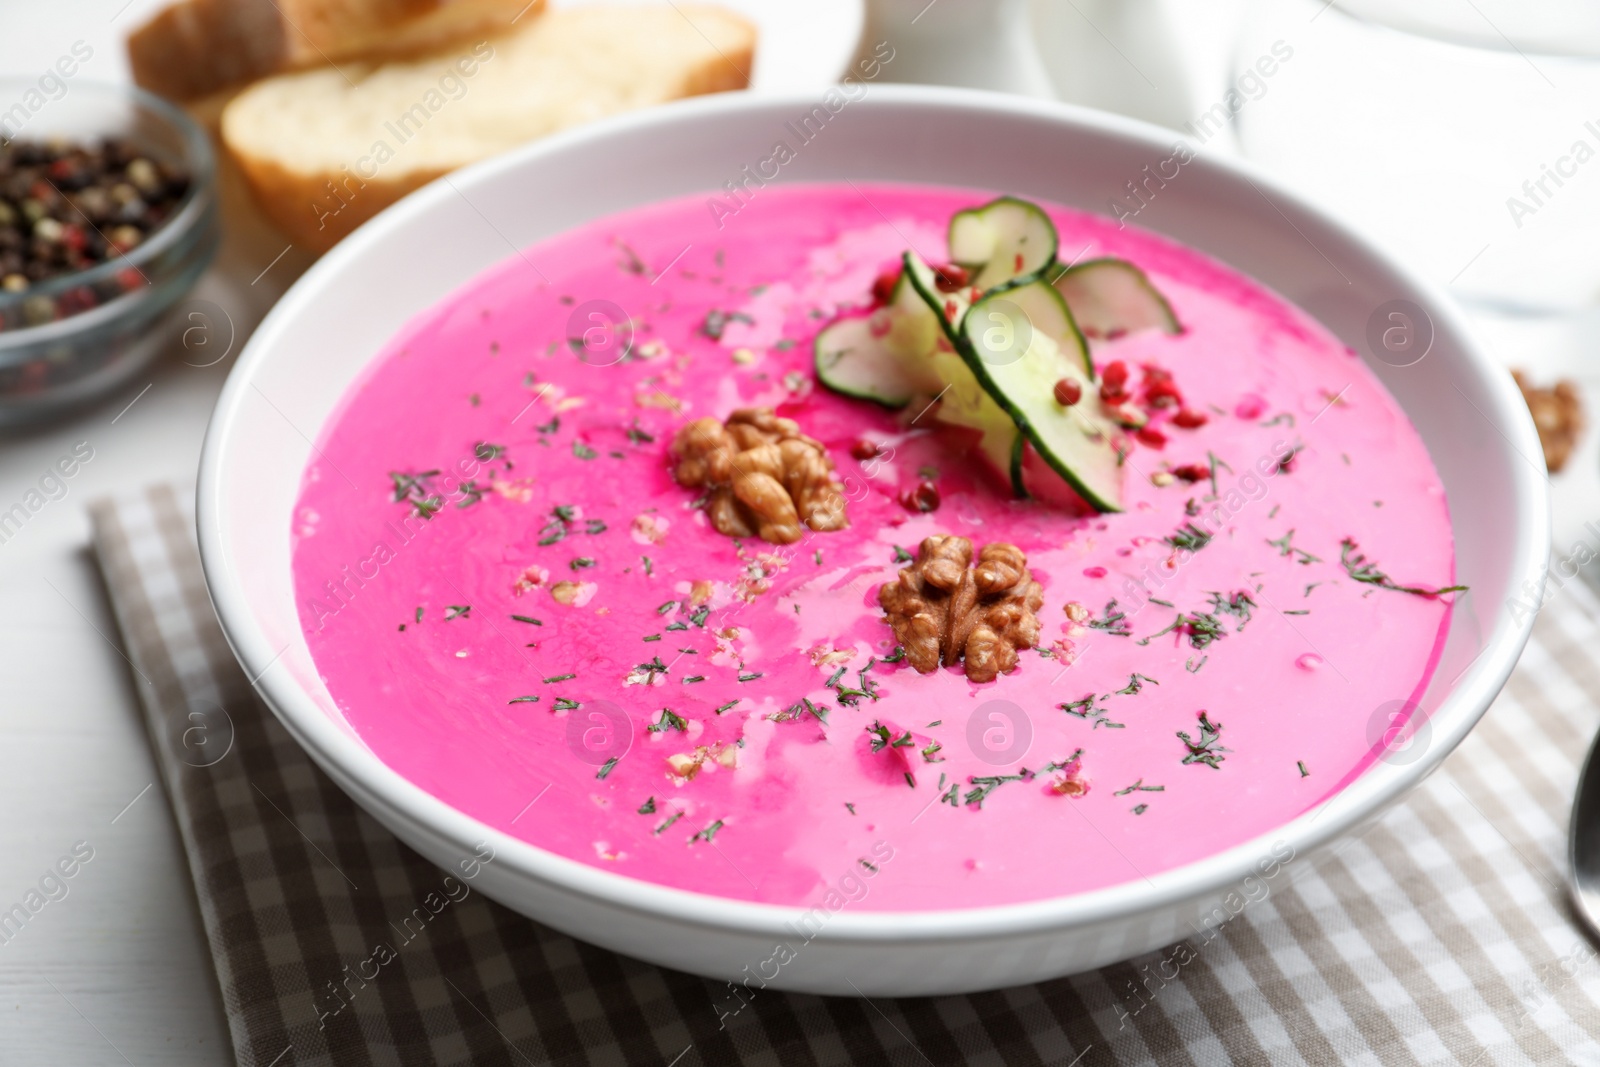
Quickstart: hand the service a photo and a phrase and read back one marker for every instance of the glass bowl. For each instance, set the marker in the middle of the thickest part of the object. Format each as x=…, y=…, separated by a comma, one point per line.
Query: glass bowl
x=69, y=340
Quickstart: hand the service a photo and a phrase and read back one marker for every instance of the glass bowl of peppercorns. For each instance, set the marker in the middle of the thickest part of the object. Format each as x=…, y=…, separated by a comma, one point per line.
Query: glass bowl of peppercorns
x=108, y=216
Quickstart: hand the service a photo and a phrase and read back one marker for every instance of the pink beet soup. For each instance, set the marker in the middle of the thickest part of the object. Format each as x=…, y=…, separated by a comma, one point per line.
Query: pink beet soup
x=519, y=609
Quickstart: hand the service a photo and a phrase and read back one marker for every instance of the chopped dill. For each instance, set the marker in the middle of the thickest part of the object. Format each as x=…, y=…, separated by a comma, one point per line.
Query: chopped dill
x=1360, y=569
x=1204, y=748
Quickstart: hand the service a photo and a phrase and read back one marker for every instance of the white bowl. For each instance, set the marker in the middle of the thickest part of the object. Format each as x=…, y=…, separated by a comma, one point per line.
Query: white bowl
x=345, y=308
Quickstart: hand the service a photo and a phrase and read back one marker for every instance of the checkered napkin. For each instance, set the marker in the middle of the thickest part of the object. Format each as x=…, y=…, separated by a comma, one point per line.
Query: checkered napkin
x=1441, y=935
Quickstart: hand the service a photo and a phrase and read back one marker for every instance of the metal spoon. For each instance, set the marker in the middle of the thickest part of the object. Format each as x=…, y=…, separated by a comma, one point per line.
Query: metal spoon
x=1583, y=848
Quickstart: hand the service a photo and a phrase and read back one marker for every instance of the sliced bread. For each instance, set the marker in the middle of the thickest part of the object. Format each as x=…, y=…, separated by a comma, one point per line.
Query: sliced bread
x=325, y=150
x=193, y=48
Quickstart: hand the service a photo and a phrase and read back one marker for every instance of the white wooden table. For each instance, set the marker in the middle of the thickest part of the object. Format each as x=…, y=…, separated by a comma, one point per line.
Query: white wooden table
x=118, y=970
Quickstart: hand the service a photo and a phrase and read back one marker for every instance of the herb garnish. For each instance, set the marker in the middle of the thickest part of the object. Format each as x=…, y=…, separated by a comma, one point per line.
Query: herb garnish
x=1239, y=605
x=1087, y=708
x=1362, y=570
x=1080, y=707
x=1286, y=549
x=1201, y=628
x=1286, y=464
x=1188, y=537
x=1135, y=684
x=456, y=611
x=1204, y=749
x=563, y=704
x=716, y=321
x=582, y=563
x=523, y=700
x=819, y=712
x=648, y=807
x=583, y=451
x=727, y=706
x=416, y=489
x=883, y=737
x=674, y=817
x=651, y=669
x=634, y=265
x=488, y=452
x=1302, y=765
x=708, y=833
x=556, y=528
x=1213, y=463
x=982, y=787
x=529, y=619
x=605, y=768
x=670, y=720
x=559, y=678
x=1139, y=786
x=1115, y=622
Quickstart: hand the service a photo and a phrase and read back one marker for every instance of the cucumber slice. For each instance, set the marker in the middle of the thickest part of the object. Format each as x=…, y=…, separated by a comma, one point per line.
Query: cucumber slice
x=881, y=356
x=964, y=401
x=1112, y=297
x=1043, y=308
x=967, y=404
x=1004, y=239
x=1017, y=343
x=852, y=357
x=948, y=308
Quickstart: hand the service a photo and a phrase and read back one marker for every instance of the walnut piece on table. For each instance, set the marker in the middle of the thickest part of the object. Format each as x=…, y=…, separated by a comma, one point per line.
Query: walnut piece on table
x=1557, y=415
x=944, y=610
x=767, y=479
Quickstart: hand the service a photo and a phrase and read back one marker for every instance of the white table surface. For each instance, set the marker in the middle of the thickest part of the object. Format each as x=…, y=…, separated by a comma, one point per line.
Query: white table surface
x=118, y=971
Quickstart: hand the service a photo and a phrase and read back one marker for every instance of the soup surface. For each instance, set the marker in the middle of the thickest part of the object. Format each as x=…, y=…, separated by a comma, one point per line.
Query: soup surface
x=521, y=610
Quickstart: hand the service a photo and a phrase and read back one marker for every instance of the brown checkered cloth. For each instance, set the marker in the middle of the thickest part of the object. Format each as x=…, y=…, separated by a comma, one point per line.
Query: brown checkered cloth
x=1440, y=935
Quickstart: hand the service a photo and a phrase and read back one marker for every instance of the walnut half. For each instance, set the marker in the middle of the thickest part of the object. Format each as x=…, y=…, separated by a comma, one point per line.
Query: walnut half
x=944, y=611
x=1557, y=415
x=767, y=479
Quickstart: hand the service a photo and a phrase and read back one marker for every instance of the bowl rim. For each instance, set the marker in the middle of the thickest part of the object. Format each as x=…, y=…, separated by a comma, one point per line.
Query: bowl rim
x=181, y=225
x=360, y=771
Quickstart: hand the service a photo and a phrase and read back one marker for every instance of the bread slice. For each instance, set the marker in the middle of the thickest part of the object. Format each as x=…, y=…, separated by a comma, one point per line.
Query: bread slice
x=193, y=48
x=326, y=150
